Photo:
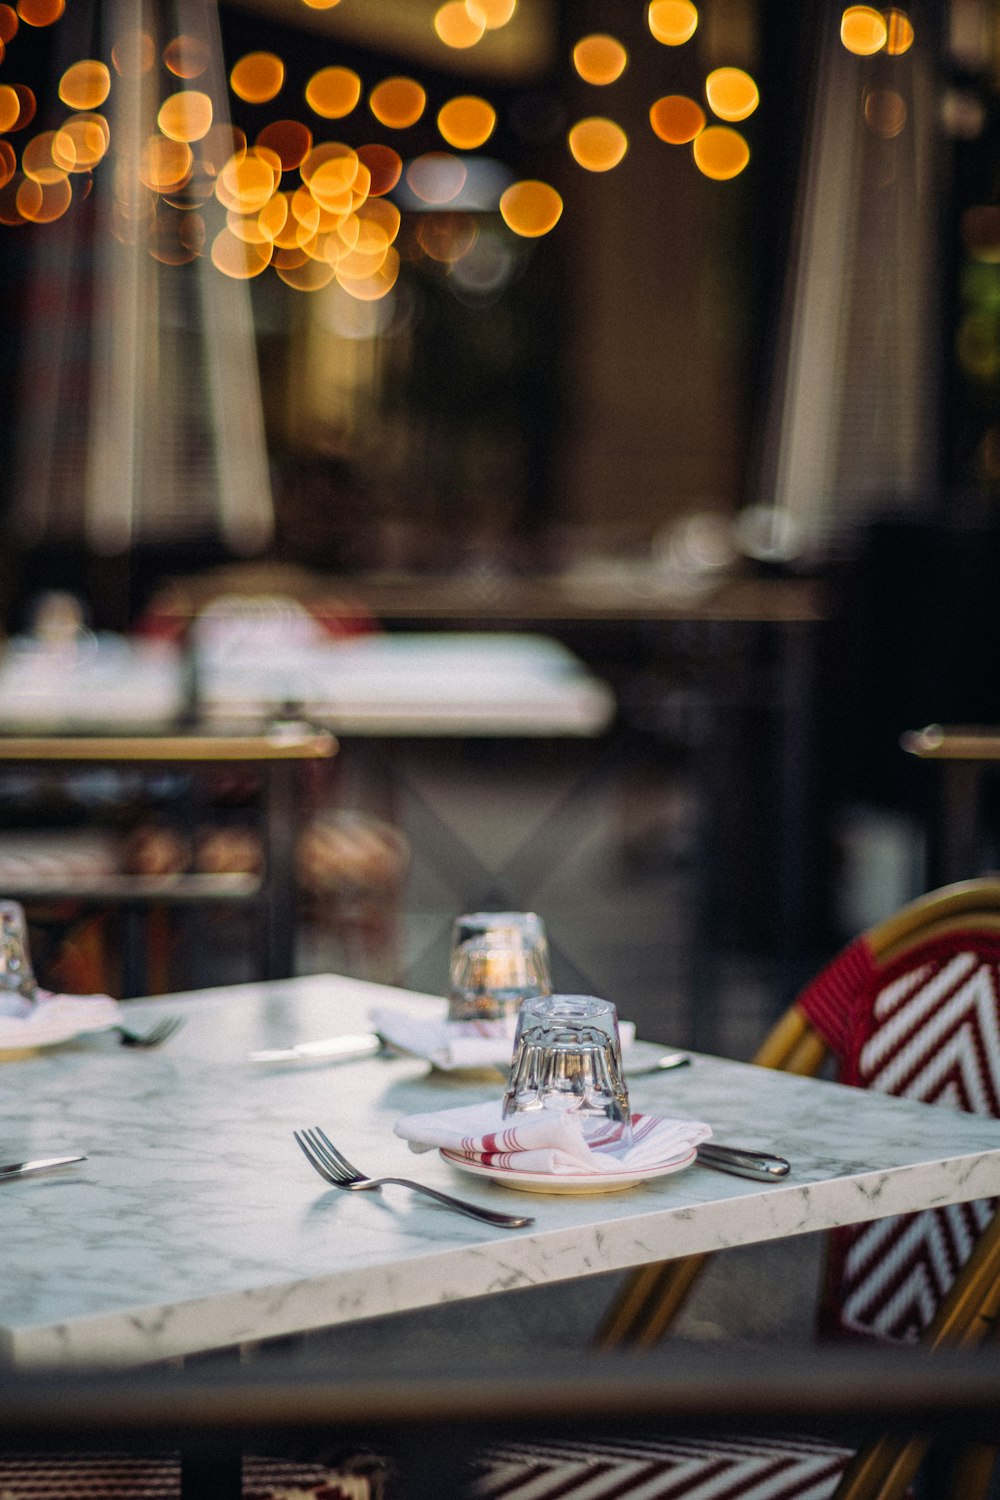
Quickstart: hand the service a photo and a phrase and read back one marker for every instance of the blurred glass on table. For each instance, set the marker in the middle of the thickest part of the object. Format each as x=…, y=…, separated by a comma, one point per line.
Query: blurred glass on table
x=522, y=930
x=16, y=973
x=492, y=976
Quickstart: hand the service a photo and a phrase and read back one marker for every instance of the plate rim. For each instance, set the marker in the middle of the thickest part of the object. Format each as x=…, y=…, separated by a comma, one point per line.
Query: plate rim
x=509, y=1176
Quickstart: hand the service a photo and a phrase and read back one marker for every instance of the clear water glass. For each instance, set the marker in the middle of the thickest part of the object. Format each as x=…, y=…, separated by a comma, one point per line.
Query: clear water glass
x=568, y=1056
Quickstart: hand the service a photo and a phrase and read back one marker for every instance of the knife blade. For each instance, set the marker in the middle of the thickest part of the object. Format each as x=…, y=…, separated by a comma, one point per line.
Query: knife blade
x=39, y=1164
x=332, y=1048
x=742, y=1162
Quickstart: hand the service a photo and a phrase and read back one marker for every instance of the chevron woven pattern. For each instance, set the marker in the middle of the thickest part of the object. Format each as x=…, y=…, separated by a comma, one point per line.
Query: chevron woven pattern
x=926, y=1027
x=120, y=1476
x=778, y=1469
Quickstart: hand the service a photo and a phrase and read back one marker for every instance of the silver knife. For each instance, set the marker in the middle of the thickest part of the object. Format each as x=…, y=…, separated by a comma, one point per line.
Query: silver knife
x=742, y=1162
x=333, y=1048
x=40, y=1164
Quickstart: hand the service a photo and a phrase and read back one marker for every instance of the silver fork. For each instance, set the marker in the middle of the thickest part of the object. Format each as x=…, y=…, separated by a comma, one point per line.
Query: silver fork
x=323, y=1156
x=154, y=1037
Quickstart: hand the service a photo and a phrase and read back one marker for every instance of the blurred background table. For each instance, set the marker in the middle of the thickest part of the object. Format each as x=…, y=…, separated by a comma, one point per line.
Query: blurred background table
x=276, y=757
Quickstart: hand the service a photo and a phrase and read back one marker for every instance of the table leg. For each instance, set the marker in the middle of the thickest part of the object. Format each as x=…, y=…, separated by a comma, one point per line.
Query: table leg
x=279, y=827
x=956, y=855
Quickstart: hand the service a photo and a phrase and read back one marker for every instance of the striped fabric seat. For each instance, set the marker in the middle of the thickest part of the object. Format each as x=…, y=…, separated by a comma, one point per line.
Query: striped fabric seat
x=924, y=1026
x=778, y=1469
x=120, y=1476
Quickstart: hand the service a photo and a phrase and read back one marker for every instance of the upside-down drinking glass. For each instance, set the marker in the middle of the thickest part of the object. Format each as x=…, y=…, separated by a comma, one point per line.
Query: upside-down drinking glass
x=567, y=1056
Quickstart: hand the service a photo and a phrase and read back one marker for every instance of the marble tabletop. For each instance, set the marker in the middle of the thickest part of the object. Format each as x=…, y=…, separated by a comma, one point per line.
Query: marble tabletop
x=195, y=1223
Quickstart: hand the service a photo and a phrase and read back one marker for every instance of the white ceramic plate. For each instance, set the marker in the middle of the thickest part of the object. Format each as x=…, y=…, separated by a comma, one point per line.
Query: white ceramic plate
x=584, y=1182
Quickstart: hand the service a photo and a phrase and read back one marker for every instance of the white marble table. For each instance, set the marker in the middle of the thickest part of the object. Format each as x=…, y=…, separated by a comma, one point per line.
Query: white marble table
x=420, y=683
x=196, y=1224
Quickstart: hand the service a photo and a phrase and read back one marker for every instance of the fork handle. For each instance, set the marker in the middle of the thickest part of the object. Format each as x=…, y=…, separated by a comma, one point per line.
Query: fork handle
x=488, y=1215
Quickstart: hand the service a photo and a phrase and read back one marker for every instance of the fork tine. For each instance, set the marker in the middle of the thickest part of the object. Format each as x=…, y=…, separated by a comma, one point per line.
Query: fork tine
x=338, y=1156
x=162, y=1030
x=330, y=1159
x=307, y=1151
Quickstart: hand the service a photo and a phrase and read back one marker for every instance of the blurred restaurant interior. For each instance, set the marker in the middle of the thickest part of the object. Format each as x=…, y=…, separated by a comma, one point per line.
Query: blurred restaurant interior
x=568, y=430
x=722, y=424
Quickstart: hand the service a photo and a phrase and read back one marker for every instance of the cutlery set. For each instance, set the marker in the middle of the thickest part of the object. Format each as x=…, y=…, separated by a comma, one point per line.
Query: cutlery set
x=331, y=1164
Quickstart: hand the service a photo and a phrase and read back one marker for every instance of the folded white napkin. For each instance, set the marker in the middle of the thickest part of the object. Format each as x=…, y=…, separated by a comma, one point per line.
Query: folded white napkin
x=458, y=1044
x=551, y=1140
x=52, y=1018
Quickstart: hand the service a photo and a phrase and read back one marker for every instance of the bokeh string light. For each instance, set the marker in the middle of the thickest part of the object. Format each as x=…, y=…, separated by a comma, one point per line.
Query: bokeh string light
x=283, y=208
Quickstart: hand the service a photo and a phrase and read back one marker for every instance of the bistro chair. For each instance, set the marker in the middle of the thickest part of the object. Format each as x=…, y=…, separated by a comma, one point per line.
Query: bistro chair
x=911, y=1008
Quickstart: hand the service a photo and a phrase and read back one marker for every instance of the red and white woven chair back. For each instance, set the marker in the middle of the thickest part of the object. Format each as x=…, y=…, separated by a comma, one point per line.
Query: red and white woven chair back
x=925, y=1026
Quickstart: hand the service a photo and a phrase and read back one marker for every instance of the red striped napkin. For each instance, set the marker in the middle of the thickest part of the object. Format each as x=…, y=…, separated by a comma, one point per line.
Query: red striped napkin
x=552, y=1140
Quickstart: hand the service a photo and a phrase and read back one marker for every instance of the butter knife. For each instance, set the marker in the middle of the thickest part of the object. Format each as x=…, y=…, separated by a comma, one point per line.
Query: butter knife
x=40, y=1164
x=333, y=1048
x=742, y=1162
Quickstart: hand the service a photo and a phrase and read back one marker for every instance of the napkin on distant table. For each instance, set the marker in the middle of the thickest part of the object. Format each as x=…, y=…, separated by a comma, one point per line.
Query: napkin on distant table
x=458, y=1044
x=52, y=1018
x=551, y=1140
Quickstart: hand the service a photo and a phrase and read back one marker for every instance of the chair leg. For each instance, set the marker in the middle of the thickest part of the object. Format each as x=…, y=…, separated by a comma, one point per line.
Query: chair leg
x=648, y=1302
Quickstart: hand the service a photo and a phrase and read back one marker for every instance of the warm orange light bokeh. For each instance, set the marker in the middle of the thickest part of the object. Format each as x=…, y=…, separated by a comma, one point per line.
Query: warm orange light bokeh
x=676, y=119
x=333, y=92
x=456, y=27
x=599, y=59
x=245, y=183
x=81, y=142
x=37, y=162
x=10, y=107
x=672, y=22
x=373, y=288
x=165, y=165
x=385, y=167
x=40, y=12
x=218, y=147
x=731, y=93
x=290, y=140
x=86, y=84
x=186, y=115
x=720, y=152
x=863, y=30
x=492, y=13
x=8, y=23
x=17, y=106
x=44, y=202
x=899, y=32
x=236, y=258
x=466, y=122
x=310, y=276
x=397, y=102
x=257, y=77
x=186, y=56
x=8, y=162
x=530, y=208
x=597, y=144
